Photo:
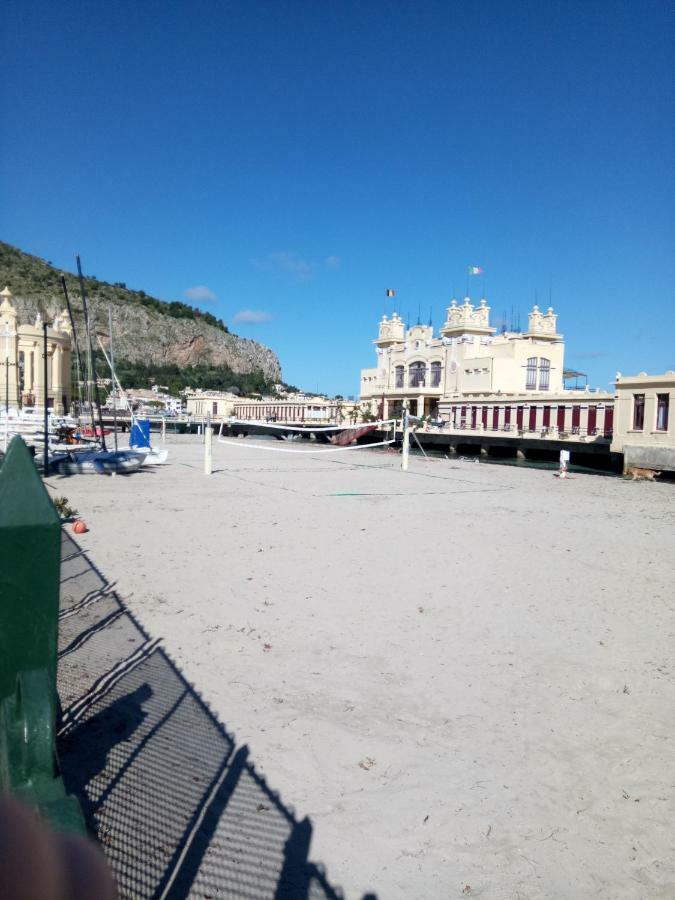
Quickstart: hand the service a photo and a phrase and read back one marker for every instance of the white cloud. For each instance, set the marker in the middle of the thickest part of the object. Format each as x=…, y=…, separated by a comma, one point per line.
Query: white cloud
x=252, y=316
x=200, y=293
x=288, y=261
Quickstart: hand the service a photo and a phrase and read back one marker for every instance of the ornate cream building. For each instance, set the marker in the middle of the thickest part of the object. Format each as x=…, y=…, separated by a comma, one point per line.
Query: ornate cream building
x=479, y=380
x=22, y=364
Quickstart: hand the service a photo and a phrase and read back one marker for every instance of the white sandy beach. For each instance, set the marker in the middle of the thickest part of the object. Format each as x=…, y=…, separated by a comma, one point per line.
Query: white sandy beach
x=462, y=674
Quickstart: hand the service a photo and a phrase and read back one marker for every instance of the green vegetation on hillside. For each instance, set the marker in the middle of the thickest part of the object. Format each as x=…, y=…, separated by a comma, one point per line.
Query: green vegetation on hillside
x=208, y=378
x=30, y=276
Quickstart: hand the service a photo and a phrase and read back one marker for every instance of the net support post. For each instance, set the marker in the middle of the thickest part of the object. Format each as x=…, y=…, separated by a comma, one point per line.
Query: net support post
x=208, y=453
x=405, y=449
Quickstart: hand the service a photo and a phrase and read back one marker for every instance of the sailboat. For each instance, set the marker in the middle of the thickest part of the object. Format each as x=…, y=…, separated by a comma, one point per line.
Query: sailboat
x=139, y=443
x=98, y=459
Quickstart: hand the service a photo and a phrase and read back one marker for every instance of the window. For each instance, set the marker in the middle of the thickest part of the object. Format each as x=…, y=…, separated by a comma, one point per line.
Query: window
x=592, y=420
x=214, y=408
x=531, y=380
x=638, y=412
x=417, y=373
x=662, y=403
x=435, y=374
x=544, y=374
x=609, y=422
x=576, y=419
x=399, y=376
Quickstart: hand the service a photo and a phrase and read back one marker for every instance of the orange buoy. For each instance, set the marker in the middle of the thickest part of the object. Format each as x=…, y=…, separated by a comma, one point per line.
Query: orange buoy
x=79, y=527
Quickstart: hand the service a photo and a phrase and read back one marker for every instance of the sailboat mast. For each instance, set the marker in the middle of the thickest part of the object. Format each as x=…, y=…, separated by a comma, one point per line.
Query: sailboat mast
x=112, y=375
x=117, y=382
x=78, y=358
x=90, y=355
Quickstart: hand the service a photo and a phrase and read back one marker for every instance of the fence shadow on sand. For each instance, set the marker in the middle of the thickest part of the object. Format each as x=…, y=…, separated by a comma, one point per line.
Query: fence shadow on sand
x=179, y=809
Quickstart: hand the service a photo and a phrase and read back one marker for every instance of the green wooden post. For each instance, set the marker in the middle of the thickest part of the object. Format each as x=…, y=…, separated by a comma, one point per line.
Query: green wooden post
x=30, y=561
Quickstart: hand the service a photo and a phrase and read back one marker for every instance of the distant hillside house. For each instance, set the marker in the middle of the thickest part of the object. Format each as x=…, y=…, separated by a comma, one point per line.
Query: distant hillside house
x=21, y=358
x=144, y=401
x=217, y=404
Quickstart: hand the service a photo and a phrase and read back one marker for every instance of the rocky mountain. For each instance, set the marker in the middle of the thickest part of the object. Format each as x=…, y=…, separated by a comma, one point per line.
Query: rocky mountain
x=146, y=330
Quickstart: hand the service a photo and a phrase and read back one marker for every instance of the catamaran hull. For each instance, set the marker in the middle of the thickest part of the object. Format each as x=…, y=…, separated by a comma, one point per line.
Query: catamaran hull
x=152, y=457
x=98, y=464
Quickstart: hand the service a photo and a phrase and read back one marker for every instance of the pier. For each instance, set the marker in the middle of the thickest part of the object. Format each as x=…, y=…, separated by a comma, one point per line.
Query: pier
x=583, y=448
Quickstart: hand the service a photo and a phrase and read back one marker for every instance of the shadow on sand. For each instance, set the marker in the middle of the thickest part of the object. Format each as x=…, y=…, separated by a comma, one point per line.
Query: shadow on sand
x=178, y=808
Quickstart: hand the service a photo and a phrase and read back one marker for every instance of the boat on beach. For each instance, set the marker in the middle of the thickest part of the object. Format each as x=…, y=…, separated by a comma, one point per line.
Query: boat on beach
x=96, y=462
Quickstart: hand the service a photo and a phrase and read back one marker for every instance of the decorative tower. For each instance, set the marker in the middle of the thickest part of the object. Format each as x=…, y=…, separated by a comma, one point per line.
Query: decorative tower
x=467, y=319
x=542, y=326
x=391, y=332
x=62, y=323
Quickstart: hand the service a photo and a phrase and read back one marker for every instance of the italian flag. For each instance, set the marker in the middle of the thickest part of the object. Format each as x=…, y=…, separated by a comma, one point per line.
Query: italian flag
x=475, y=270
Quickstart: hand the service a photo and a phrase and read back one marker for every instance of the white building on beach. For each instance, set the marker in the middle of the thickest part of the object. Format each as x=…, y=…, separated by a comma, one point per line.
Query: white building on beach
x=478, y=380
x=22, y=361
x=645, y=424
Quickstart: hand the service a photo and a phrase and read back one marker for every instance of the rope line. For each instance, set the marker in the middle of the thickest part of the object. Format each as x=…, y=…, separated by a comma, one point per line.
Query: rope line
x=308, y=452
x=309, y=428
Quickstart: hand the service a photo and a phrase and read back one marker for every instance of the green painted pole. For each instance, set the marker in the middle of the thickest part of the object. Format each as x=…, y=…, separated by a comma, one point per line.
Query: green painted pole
x=30, y=564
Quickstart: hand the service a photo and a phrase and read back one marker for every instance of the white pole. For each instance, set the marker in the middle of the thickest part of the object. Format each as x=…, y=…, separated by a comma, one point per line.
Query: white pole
x=405, y=450
x=163, y=429
x=208, y=457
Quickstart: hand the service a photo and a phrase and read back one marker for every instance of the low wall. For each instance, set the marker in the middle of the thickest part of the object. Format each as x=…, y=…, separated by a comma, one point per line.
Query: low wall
x=654, y=457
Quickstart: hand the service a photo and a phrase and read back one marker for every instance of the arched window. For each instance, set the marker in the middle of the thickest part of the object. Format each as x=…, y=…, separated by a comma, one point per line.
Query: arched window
x=435, y=374
x=531, y=379
x=544, y=374
x=417, y=373
x=399, y=376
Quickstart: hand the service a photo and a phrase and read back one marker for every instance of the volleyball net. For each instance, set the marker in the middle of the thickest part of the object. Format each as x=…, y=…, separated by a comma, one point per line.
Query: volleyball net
x=308, y=438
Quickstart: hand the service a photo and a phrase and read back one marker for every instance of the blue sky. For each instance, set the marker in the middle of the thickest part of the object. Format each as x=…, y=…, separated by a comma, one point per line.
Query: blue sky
x=293, y=160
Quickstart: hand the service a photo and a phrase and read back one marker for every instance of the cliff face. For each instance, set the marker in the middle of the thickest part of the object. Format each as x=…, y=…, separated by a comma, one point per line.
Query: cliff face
x=142, y=333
